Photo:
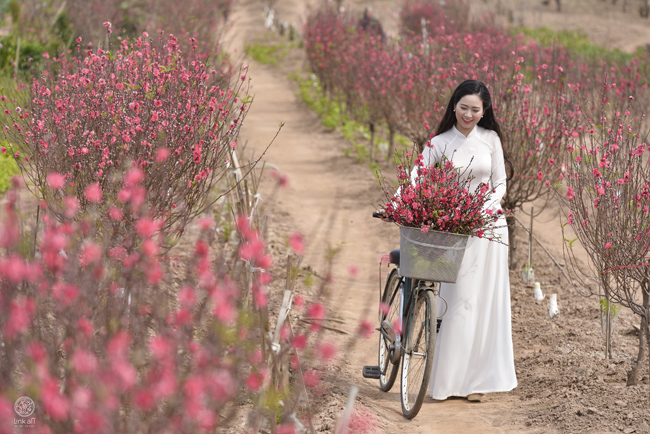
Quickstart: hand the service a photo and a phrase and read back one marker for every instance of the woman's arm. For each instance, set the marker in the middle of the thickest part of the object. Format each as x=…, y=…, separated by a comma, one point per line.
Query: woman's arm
x=499, y=176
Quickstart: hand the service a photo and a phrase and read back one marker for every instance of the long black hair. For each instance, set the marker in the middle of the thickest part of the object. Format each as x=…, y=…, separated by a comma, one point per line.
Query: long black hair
x=488, y=121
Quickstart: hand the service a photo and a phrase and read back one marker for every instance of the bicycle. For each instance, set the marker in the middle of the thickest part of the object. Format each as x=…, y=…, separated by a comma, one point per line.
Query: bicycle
x=411, y=303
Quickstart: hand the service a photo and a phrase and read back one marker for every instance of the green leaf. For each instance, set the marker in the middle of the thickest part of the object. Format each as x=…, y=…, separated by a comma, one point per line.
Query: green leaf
x=570, y=242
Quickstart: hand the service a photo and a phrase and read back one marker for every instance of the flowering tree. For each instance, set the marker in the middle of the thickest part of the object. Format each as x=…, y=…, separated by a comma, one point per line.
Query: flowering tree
x=538, y=117
x=104, y=340
x=537, y=120
x=145, y=105
x=435, y=17
x=192, y=18
x=362, y=86
x=88, y=16
x=606, y=192
x=326, y=34
x=205, y=22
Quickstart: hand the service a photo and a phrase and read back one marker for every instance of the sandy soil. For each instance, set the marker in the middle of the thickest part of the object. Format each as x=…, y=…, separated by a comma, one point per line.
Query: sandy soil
x=565, y=383
x=613, y=24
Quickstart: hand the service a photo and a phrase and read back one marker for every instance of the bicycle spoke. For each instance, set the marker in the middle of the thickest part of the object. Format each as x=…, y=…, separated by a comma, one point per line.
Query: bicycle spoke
x=417, y=363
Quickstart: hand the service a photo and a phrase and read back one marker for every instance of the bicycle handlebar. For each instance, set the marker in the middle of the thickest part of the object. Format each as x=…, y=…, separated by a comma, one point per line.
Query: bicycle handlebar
x=381, y=215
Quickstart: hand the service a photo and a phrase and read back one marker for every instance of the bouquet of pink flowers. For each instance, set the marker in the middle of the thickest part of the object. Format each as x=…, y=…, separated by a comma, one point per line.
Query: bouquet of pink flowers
x=440, y=198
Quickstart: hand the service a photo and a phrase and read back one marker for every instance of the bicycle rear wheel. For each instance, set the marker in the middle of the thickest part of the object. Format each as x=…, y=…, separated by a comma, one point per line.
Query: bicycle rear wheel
x=390, y=298
x=420, y=343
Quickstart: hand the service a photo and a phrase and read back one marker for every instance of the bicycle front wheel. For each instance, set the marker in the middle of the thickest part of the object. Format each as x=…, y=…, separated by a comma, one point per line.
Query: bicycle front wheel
x=417, y=360
x=387, y=321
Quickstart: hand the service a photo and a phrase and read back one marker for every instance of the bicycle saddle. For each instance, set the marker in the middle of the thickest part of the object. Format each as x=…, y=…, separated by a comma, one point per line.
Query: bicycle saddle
x=394, y=257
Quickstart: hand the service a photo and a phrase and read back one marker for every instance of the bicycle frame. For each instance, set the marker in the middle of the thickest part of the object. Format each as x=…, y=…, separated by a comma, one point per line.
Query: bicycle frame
x=413, y=288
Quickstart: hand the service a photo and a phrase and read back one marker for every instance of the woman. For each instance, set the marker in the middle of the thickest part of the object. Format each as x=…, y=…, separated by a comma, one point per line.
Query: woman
x=474, y=353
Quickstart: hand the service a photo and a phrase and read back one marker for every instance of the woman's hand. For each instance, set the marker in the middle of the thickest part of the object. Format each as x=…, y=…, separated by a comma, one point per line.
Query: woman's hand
x=381, y=214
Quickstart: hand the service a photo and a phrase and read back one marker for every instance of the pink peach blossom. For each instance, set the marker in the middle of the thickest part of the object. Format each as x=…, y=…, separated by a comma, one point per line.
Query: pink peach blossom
x=296, y=241
x=55, y=180
x=93, y=193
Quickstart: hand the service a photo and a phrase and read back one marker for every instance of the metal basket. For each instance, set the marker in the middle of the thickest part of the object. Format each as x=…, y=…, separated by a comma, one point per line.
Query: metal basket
x=434, y=255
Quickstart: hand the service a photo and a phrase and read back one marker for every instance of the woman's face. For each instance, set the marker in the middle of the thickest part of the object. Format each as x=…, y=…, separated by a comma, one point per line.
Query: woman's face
x=469, y=111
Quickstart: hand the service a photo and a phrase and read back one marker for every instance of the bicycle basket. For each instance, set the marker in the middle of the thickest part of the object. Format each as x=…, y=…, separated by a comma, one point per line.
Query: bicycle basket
x=434, y=255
